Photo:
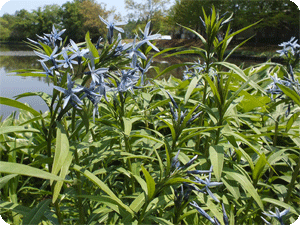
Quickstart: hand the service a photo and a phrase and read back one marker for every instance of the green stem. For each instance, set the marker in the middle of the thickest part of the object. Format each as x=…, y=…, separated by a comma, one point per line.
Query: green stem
x=79, y=192
x=58, y=212
x=292, y=183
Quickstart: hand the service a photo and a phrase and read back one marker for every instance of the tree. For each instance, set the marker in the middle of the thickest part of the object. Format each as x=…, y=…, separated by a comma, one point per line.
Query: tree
x=145, y=11
x=280, y=19
x=90, y=11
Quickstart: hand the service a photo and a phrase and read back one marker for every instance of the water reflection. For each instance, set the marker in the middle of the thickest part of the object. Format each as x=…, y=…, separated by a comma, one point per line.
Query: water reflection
x=11, y=85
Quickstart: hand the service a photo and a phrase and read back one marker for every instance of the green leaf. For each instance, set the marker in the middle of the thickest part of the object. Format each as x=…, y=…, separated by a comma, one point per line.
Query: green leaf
x=137, y=203
x=17, y=168
x=107, y=200
x=246, y=184
x=258, y=168
x=216, y=154
x=281, y=204
x=238, y=71
x=190, y=89
x=104, y=188
x=170, y=68
x=46, y=97
x=63, y=172
x=150, y=183
x=291, y=120
x=10, y=129
x=159, y=220
x=14, y=207
x=127, y=126
x=61, y=149
x=5, y=179
x=35, y=215
x=30, y=74
x=90, y=46
x=16, y=104
x=199, y=35
x=291, y=93
x=232, y=187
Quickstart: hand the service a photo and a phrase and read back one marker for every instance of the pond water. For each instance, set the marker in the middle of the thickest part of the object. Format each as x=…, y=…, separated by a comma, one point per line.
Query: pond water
x=19, y=57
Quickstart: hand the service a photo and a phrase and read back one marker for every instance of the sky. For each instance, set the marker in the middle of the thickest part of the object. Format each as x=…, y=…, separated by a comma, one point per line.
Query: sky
x=11, y=6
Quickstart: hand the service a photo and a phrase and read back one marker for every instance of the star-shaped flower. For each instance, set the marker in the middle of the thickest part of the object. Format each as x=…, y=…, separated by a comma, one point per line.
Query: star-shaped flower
x=148, y=36
x=70, y=93
x=111, y=25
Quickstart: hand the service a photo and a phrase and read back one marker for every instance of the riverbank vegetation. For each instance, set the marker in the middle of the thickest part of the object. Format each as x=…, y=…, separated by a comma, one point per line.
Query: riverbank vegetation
x=219, y=145
x=279, y=19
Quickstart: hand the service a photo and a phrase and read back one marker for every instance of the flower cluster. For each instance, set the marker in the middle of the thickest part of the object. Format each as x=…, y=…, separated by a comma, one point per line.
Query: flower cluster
x=196, y=69
x=61, y=60
x=290, y=47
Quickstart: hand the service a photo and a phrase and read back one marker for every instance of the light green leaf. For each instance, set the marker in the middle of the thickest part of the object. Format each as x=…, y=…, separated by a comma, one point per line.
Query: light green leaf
x=258, y=168
x=104, y=188
x=150, y=183
x=232, y=187
x=246, y=184
x=291, y=93
x=90, y=46
x=159, y=220
x=10, y=129
x=190, y=89
x=137, y=203
x=281, y=204
x=61, y=149
x=17, y=104
x=17, y=168
x=291, y=120
x=216, y=154
x=238, y=71
x=127, y=126
x=5, y=179
x=35, y=215
x=63, y=172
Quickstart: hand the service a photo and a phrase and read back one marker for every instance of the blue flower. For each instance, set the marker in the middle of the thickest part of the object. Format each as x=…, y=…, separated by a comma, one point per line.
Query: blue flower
x=55, y=35
x=214, y=220
x=120, y=46
x=48, y=72
x=135, y=47
x=77, y=52
x=111, y=25
x=70, y=93
x=208, y=184
x=278, y=215
x=49, y=58
x=202, y=212
x=289, y=46
x=67, y=61
x=97, y=74
x=128, y=79
x=147, y=36
x=144, y=70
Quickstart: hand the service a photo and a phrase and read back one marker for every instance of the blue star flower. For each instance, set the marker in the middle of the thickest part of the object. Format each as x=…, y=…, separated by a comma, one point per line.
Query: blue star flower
x=69, y=93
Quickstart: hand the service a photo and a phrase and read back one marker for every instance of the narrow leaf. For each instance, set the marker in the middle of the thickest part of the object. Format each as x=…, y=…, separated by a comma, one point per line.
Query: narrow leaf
x=35, y=215
x=216, y=154
x=150, y=183
x=17, y=104
x=17, y=168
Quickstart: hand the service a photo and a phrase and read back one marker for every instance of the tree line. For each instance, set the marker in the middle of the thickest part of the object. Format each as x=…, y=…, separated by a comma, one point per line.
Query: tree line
x=279, y=19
